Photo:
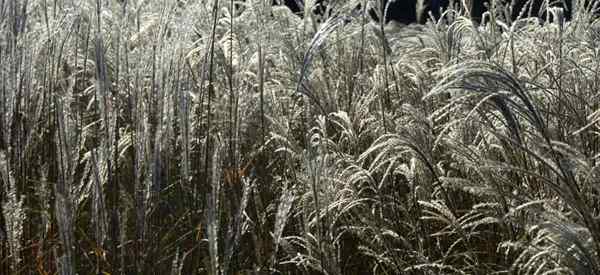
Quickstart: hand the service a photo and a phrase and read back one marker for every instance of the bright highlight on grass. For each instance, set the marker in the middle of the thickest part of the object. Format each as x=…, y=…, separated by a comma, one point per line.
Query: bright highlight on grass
x=228, y=137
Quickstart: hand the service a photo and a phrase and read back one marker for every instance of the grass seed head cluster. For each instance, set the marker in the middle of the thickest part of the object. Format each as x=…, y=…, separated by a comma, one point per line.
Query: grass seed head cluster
x=227, y=137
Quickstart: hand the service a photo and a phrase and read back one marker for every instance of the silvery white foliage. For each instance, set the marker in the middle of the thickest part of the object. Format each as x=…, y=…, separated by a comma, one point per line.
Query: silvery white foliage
x=177, y=264
x=213, y=212
x=63, y=189
x=64, y=266
x=239, y=223
x=98, y=206
x=43, y=192
x=12, y=207
x=283, y=212
x=64, y=216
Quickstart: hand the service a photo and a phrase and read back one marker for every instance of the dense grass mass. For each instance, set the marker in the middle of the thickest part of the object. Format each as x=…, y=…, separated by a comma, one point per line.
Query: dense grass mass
x=219, y=137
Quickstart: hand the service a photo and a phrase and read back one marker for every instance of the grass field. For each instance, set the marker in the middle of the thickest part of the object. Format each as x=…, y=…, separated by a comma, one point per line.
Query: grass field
x=219, y=137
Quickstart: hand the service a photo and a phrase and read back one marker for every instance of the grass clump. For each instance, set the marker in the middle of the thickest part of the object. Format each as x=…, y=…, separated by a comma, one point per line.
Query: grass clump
x=219, y=137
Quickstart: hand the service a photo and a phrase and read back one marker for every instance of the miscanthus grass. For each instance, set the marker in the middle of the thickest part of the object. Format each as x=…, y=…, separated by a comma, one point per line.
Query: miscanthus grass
x=234, y=137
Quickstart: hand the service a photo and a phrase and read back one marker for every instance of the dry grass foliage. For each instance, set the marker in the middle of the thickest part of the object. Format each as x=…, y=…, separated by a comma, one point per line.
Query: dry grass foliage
x=228, y=137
